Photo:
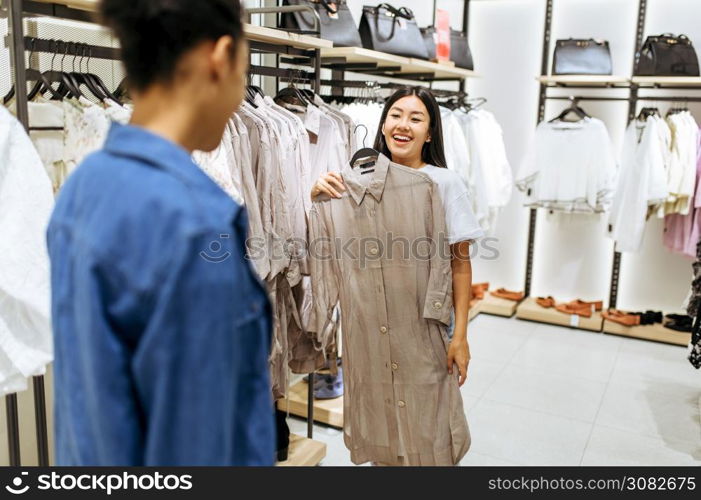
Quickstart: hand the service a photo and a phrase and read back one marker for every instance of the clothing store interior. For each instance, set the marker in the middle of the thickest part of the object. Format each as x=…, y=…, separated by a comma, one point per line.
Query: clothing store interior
x=264, y=298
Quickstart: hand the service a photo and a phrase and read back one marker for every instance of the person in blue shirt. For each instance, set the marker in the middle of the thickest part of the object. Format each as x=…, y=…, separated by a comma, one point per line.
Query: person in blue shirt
x=162, y=329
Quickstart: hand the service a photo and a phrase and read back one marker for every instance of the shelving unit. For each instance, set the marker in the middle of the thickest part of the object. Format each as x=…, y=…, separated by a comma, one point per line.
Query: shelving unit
x=677, y=82
x=656, y=332
x=497, y=306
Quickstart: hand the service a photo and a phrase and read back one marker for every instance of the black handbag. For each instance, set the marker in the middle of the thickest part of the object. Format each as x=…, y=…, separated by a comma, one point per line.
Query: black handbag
x=387, y=29
x=460, y=52
x=335, y=21
x=667, y=55
x=582, y=57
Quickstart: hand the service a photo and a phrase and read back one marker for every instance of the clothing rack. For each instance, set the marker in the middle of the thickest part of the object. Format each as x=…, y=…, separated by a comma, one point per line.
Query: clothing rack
x=632, y=99
x=19, y=44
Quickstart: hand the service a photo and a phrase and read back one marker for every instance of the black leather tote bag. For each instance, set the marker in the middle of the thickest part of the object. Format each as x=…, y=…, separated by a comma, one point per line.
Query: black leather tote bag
x=335, y=21
x=387, y=29
x=667, y=55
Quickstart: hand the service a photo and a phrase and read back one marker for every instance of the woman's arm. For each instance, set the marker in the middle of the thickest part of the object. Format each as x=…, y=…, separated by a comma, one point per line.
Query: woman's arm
x=459, y=350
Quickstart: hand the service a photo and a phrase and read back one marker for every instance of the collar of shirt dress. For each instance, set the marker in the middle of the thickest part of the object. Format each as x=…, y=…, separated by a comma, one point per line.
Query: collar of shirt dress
x=358, y=185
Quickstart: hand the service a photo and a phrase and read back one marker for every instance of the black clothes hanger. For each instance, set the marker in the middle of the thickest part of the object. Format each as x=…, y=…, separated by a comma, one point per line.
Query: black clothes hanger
x=84, y=78
x=363, y=153
x=67, y=84
x=573, y=108
x=41, y=82
x=98, y=83
x=647, y=112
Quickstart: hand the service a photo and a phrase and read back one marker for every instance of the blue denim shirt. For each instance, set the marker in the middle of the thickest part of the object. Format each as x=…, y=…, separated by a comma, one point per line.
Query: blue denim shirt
x=162, y=330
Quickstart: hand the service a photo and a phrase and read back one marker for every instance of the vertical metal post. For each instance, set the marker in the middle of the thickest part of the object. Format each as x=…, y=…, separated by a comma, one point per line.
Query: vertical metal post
x=310, y=389
x=545, y=63
x=40, y=417
x=17, y=60
x=466, y=30
x=14, y=19
x=632, y=108
x=435, y=6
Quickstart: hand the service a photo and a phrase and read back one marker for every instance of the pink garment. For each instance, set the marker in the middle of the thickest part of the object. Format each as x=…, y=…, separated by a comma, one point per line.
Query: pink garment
x=682, y=232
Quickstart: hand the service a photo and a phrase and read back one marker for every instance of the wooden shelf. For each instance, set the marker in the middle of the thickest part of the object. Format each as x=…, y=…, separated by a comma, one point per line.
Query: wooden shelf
x=280, y=37
x=583, y=80
x=497, y=306
x=655, y=332
x=326, y=411
x=667, y=81
x=304, y=452
x=530, y=310
x=252, y=32
x=358, y=55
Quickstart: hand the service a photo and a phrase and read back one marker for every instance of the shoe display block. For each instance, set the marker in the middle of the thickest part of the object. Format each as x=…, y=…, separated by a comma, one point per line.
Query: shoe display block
x=655, y=332
x=304, y=452
x=498, y=306
x=530, y=310
x=326, y=411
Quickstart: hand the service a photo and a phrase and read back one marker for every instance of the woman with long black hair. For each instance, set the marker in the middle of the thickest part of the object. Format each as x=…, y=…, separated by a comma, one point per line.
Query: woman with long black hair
x=410, y=134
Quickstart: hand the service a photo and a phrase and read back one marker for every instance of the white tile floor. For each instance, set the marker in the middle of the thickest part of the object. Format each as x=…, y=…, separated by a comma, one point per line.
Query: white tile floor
x=545, y=395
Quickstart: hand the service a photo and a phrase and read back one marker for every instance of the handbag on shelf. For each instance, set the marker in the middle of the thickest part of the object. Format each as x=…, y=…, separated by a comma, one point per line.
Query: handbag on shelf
x=582, y=57
x=335, y=21
x=667, y=55
x=460, y=52
x=387, y=29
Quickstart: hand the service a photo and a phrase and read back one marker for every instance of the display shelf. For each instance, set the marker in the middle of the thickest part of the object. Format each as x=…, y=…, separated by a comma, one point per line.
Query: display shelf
x=498, y=306
x=583, y=80
x=326, y=411
x=304, y=452
x=667, y=81
x=395, y=65
x=252, y=32
x=530, y=310
x=655, y=332
x=474, y=311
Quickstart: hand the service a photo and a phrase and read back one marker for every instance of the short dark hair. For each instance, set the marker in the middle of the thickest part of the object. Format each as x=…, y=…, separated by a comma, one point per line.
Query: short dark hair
x=154, y=34
x=432, y=152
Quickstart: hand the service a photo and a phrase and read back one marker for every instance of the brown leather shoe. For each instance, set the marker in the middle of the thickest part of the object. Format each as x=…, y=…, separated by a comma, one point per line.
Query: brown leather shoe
x=478, y=290
x=572, y=309
x=503, y=293
x=546, y=302
x=621, y=318
x=581, y=303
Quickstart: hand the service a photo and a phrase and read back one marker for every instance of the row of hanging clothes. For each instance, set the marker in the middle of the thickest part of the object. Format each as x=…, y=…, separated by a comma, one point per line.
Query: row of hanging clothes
x=571, y=166
x=658, y=178
x=272, y=153
x=70, y=109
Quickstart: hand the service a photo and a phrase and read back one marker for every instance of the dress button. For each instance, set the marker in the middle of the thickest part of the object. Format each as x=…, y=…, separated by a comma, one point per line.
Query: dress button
x=383, y=329
x=401, y=404
x=395, y=366
x=374, y=250
x=437, y=305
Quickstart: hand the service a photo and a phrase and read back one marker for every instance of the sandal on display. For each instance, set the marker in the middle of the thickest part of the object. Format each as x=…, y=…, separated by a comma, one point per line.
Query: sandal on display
x=478, y=290
x=332, y=388
x=678, y=322
x=503, y=293
x=546, y=302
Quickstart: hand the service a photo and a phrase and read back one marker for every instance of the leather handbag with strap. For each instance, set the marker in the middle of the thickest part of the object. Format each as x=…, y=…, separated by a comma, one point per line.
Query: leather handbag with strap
x=582, y=57
x=335, y=21
x=667, y=55
x=387, y=29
